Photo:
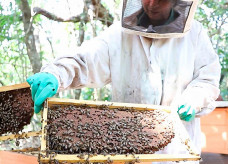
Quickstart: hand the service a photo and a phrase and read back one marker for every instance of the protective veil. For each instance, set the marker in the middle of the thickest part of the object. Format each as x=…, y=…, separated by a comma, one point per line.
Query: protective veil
x=169, y=71
x=182, y=15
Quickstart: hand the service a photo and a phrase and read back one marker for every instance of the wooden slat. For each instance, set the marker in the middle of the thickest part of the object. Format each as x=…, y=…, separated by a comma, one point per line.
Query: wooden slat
x=22, y=135
x=60, y=101
x=26, y=150
x=124, y=158
x=43, y=138
x=13, y=87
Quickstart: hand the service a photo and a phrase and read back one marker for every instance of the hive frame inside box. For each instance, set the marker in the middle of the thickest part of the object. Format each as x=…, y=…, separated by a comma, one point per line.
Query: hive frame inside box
x=46, y=157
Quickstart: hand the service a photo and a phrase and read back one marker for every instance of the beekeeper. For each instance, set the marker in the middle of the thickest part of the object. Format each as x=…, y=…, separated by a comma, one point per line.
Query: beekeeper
x=157, y=55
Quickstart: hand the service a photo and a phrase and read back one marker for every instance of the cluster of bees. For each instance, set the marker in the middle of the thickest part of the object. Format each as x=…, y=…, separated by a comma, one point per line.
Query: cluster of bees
x=83, y=130
x=16, y=110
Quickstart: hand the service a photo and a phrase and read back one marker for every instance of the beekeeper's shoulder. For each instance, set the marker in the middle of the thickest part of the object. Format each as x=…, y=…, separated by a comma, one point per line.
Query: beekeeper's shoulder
x=112, y=33
x=196, y=29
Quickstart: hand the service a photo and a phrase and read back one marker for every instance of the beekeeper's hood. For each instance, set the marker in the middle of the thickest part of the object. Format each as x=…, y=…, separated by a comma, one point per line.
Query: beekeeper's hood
x=135, y=19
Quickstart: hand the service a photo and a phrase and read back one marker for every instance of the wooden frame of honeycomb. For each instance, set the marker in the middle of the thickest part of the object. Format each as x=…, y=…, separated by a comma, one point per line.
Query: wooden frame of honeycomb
x=48, y=155
x=16, y=109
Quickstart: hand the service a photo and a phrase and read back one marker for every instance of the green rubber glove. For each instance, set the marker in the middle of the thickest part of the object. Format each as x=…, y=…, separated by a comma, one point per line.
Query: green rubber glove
x=186, y=112
x=43, y=85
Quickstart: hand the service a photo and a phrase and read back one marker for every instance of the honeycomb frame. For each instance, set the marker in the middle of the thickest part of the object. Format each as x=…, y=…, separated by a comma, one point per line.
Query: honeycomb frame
x=46, y=157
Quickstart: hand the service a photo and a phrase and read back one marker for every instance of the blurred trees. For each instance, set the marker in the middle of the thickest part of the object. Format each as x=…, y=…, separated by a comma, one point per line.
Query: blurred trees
x=14, y=62
x=214, y=16
x=29, y=38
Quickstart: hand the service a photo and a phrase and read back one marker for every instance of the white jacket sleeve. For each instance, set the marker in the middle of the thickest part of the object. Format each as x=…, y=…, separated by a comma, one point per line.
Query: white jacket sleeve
x=88, y=67
x=203, y=90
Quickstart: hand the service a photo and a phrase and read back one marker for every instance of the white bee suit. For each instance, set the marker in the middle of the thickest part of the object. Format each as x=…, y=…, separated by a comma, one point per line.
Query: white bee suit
x=144, y=70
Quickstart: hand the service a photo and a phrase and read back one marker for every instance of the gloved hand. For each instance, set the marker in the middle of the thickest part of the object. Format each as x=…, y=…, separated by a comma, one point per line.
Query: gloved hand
x=186, y=112
x=43, y=85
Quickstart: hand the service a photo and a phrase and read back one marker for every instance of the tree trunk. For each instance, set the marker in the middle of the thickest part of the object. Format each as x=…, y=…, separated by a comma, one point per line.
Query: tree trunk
x=29, y=36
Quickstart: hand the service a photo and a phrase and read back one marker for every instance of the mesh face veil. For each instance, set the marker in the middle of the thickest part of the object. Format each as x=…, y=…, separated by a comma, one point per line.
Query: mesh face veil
x=158, y=18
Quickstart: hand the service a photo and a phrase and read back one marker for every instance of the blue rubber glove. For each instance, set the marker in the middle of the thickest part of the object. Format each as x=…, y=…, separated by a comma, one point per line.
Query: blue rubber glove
x=43, y=85
x=186, y=112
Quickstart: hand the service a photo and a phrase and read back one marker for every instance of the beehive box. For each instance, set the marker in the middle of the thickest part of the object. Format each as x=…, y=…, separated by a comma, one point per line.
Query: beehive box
x=16, y=108
x=215, y=132
x=91, y=131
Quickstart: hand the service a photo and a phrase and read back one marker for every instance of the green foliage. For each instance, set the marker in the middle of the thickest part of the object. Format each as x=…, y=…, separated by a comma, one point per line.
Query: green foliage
x=214, y=16
x=13, y=59
x=105, y=93
x=87, y=94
